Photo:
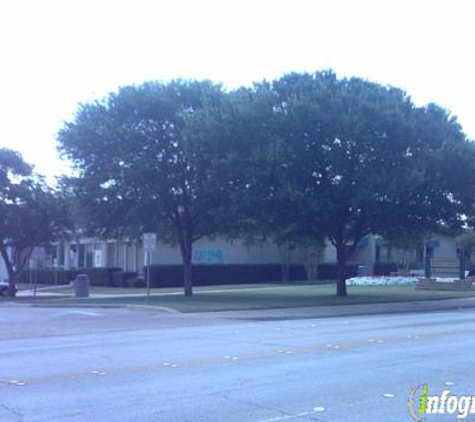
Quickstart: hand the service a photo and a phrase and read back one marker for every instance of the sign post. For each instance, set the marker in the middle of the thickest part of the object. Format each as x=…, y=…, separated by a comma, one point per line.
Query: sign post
x=34, y=267
x=149, y=245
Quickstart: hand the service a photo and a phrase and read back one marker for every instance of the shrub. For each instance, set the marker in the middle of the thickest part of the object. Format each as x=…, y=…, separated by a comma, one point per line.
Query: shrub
x=222, y=274
x=136, y=282
x=121, y=278
x=384, y=268
x=99, y=276
x=329, y=271
x=210, y=275
x=46, y=276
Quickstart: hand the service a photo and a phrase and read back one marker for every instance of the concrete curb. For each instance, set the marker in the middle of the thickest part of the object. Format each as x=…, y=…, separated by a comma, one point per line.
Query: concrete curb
x=327, y=311
x=425, y=306
x=339, y=315
x=154, y=308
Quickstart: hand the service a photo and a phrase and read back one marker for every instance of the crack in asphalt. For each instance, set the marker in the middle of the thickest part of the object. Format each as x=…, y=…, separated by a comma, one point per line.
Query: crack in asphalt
x=284, y=415
x=18, y=415
x=250, y=403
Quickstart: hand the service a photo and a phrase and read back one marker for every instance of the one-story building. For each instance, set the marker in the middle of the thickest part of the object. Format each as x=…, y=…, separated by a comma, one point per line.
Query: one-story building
x=130, y=256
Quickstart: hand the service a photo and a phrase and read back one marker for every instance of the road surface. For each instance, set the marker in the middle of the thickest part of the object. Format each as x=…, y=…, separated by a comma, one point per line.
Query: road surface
x=121, y=365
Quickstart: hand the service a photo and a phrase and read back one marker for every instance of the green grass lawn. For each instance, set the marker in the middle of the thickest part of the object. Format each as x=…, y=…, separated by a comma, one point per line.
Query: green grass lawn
x=271, y=297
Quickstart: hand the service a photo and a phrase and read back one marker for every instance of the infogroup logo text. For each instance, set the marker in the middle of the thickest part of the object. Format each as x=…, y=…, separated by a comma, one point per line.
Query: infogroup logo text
x=421, y=403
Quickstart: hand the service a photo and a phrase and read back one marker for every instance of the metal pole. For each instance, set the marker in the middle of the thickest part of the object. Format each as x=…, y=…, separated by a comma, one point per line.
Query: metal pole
x=35, y=278
x=148, y=277
x=56, y=263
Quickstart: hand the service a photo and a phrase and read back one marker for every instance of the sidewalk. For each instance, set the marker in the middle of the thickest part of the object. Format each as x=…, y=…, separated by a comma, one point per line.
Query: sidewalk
x=45, y=291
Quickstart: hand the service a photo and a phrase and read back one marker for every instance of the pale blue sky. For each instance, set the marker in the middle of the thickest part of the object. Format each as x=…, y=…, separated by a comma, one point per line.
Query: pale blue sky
x=57, y=53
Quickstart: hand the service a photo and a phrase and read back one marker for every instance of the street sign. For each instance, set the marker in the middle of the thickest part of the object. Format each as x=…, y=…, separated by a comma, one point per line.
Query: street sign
x=149, y=242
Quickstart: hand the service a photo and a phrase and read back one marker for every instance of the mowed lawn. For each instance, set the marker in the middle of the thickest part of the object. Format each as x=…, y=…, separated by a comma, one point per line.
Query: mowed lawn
x=269, y=297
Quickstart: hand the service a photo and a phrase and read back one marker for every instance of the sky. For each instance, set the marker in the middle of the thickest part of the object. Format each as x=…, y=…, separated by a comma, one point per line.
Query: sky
x=56, y=54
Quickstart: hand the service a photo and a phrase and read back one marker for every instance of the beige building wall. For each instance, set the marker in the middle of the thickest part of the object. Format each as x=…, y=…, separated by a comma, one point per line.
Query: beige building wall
x=130, y=256
x=215, y=251
x=447, y=247
x=366, y=254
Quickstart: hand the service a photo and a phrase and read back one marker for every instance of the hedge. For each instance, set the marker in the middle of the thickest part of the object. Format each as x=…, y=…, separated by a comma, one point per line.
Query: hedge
x=136, y=282
x=329, y=271
x=203, y=275
x=46, y=276
x=384, y=268
x=121, y=278
x=209, y=275
x=99, y=276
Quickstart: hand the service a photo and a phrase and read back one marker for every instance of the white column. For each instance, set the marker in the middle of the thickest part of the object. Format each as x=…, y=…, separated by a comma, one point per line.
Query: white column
x=67, y=256
x=105, y=258
x=117, y=245
x=77, y=255
x=136, y=259
x=126, y=257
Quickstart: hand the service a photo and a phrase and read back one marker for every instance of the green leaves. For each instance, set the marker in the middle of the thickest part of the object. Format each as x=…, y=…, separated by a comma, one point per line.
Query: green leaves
x=307, y=155
x=466, y=242
x=148, y=158
x=31, y=214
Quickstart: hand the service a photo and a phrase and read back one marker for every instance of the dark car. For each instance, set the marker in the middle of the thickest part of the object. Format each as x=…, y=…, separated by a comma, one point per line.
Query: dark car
x=3, y=288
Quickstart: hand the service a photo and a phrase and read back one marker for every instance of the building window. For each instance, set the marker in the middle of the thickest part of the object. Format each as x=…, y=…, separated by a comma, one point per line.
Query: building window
x=82, y=256
x=111, y=255
x=89, y=256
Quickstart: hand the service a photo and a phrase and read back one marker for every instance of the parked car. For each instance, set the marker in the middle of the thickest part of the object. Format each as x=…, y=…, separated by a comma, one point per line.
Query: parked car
x=3, y=289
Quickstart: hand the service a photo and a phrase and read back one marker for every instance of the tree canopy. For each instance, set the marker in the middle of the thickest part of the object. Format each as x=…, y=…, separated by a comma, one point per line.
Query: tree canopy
x=309, y=156
x=355, y=158
x=466, y=242
x=143, y=166
x=30, y=213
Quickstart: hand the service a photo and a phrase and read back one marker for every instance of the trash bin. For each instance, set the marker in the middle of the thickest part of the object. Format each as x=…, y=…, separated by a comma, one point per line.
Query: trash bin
x=81, y=285
x=360, y=271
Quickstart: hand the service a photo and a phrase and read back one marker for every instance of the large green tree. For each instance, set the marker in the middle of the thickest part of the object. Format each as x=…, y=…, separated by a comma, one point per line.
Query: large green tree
x=143, y=165
x=307, y=153
x=359, y=158
x=30, y=214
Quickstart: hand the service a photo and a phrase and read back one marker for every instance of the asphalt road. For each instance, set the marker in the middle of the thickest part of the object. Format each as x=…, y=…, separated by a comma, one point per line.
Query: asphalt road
x=63, y=364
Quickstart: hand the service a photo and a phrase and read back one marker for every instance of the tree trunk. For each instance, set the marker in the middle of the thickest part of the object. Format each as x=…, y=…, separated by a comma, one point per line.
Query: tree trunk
x=186, y=248
x=185, y=240
x=341, y=258
x=14, y=265
x=10, y=271
x=12, y=285
x=187, y=272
